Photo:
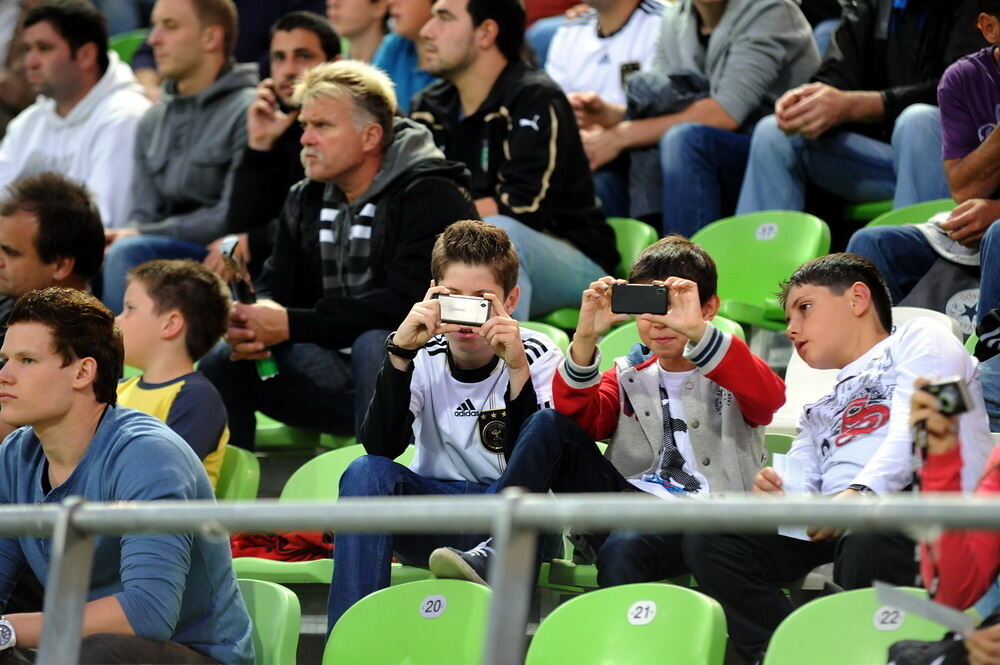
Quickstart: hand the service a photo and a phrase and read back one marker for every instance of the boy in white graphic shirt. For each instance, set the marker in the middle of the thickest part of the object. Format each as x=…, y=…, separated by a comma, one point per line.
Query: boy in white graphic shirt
x=854, y=441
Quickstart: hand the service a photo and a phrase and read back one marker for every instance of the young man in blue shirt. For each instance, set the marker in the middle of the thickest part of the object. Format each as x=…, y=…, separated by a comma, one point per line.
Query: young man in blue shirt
x=164, y=598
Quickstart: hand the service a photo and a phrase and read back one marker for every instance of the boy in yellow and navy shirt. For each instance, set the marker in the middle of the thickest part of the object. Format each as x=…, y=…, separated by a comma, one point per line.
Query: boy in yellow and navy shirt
x=174, y=312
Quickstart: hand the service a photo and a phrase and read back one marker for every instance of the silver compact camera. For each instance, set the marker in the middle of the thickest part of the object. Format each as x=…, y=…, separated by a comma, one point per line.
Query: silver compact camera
x=463, y=310
x=952, y=395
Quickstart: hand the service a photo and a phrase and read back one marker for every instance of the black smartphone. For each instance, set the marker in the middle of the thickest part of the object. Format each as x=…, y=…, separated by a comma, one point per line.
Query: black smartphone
x=639, y=299
x=241, y=288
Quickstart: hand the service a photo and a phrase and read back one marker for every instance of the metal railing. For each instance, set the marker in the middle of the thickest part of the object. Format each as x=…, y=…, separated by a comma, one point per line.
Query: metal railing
x=515, y=519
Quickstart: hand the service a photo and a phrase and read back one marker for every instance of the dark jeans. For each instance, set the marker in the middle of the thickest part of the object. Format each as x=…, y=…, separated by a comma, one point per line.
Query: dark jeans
x=362, y=560
x=746, y=572
x=108, y=649
x=315, y=388
x=554, y=453
x=702, y=169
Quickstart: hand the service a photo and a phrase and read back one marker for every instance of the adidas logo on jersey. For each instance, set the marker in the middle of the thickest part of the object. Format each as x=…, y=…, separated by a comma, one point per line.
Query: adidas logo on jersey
x=466, y=408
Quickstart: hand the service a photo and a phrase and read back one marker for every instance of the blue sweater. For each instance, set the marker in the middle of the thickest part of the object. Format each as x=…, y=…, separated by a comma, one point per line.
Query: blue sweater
x=178, y=587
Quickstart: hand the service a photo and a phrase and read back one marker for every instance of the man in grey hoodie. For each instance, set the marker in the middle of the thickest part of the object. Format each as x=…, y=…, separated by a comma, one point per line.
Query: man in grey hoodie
x=351, y=256
x=188, y=146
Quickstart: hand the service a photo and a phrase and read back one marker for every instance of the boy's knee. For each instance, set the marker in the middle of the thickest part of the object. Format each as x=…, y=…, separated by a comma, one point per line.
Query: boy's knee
x=369, y=475
x=915, y=122
x=679, y=139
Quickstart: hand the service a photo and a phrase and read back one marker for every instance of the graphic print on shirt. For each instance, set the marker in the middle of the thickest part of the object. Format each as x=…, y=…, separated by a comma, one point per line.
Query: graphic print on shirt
x=860, y=405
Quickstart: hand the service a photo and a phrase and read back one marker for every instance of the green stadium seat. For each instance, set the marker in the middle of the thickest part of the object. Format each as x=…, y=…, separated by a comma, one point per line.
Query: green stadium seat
x=863, y=212
x=239, y=477
x=777, y=443
x=631, y=624
x=557, y=335
x=754, y=253
x=318, y=480
x=433, y=622
x=846, y=627
x=970, y=344
x=619, y=340
x=276, y=617
x=125, y=44
x=631, y=237
x=914, y=214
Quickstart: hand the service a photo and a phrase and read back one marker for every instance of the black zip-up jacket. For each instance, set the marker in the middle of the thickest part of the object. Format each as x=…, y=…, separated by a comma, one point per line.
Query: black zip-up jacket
x=412, y=210
x=907, y=63
x=523, y=149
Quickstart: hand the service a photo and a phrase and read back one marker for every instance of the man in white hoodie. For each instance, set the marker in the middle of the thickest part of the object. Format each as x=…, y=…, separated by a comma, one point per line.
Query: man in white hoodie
x=83, y=123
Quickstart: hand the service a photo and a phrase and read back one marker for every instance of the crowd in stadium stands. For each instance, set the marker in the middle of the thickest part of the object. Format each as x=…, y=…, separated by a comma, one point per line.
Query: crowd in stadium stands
x=344, y=170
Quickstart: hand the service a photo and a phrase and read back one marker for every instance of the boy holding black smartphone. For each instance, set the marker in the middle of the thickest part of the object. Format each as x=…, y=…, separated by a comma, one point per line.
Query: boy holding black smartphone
x=458, y=389
x=684, y=412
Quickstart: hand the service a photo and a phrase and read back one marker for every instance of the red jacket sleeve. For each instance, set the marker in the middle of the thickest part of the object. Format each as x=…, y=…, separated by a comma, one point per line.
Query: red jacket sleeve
x=592, y=400
x=964, y=562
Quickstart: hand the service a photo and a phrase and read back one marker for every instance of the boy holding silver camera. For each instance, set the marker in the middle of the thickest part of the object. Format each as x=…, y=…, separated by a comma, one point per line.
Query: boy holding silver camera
x=684, y=411
x=459, y=379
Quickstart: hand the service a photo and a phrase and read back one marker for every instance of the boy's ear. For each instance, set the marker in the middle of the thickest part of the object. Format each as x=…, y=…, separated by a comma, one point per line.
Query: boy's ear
x=861, y=299
x=173, y=325
x=510, y=303
x=711, y=308
x=86, y=373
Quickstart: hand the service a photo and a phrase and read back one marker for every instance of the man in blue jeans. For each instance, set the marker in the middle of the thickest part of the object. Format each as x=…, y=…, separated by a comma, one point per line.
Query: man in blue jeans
x=351, y=254
x=514, y=129
x=864, y=128
x=459, y=391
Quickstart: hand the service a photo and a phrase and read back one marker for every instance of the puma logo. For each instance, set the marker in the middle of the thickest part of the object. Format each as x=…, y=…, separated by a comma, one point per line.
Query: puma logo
x=533, y=123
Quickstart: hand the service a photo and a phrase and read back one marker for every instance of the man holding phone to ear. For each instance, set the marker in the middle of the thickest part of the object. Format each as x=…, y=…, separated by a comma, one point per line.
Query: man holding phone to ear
x=459, y=390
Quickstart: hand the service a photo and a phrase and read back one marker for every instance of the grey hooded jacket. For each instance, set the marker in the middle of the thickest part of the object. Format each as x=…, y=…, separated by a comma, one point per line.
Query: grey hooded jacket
x=186, y=150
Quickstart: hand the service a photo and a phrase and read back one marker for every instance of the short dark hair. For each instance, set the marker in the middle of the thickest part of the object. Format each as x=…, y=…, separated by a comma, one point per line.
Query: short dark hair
x=221, y=13
x=676, y=256
x=69, y=224
x=82, y=327
x=76, y=21
x=991, y=7
x=320, y=26
x=838, y=272
x=196, y=292
x=477, y=244
x=509, y=16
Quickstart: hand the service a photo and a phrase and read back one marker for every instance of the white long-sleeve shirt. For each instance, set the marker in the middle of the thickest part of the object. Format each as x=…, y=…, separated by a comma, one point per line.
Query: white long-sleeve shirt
x=93, y=144
x=860, y=432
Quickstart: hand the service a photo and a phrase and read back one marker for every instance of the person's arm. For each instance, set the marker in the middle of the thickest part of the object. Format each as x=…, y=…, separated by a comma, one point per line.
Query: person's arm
x=205, y=224
x=425, y=210
x=728, y=361
x=542, y=124
x=147, y=201
x=804, y=448
x=388, y=425
x=107, y=168
x=972, y=166
x=198, y=415
x=103, y=615
x=589, y=398
x=647, y=131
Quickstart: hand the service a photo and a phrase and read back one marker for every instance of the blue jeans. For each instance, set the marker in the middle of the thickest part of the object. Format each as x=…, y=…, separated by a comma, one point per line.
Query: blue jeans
x=989, y=376
x=130, y=251
x=361, y=562
x=702, y=169
x=553, y=272
x=903, y=256
x=315, y=388
x=823, y=33
x=851, y=166
x=554, y=453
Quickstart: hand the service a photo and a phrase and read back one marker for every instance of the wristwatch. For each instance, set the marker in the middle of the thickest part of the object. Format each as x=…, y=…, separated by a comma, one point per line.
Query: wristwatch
x=398, y=351
x=8, y=638
x=863, y=490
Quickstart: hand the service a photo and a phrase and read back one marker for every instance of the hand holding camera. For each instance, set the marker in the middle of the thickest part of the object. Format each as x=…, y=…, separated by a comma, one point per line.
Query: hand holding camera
x=423, y=321
x=504, y=334
x=683, y=313
x=934, y=409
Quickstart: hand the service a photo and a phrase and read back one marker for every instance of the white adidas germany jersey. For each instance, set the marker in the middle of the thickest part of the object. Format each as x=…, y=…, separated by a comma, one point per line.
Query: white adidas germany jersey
x=446, y=411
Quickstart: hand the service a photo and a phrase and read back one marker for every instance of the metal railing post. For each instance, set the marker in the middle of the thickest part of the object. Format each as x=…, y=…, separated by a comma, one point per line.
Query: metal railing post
x=513, y=571
x=66, y=589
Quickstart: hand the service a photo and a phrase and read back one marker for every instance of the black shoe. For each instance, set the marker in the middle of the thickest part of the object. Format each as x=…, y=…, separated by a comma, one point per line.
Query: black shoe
x=454, y=564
